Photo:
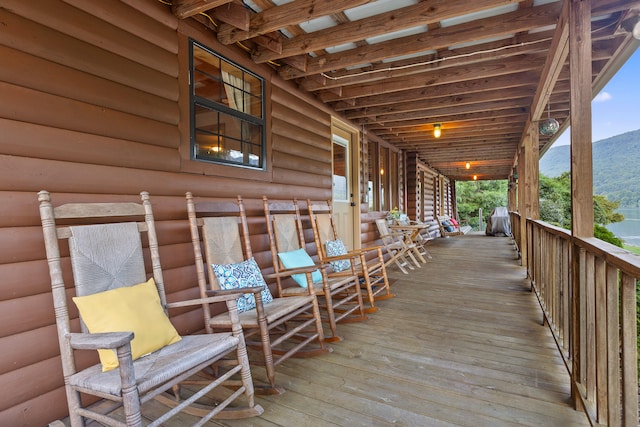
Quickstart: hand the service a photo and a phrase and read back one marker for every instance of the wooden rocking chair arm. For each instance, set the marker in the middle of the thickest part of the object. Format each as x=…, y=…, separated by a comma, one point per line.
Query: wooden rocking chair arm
x=105, y=340
x=348, y=255
x=291, y=271
x=221, y=295
x=368, y=249
x=235, y=292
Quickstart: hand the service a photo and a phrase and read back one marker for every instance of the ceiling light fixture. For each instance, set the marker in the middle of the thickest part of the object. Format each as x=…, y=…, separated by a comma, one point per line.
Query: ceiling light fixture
x=437, y=130
x=475, y=177
x=467, y=165
x=549, y=126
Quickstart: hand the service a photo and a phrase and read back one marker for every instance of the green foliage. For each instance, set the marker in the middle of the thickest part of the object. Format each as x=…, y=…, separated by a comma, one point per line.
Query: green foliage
x=473, y=195
x=555, y=207
x=604, y=210
x=555, y=200
x=633, y=250
x=601, y=232
x=615, y=175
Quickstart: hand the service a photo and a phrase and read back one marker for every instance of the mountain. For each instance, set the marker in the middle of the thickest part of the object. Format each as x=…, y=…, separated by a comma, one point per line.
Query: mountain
x=615, y=167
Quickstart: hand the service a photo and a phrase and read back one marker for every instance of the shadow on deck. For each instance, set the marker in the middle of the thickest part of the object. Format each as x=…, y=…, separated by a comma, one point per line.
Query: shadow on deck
x=462, y=343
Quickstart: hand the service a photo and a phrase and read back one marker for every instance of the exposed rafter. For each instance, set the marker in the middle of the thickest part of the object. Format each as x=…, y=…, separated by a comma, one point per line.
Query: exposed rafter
x=485, y=70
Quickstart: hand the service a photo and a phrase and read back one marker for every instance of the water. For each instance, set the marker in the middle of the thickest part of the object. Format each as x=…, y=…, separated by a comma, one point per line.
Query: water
x=629, y=229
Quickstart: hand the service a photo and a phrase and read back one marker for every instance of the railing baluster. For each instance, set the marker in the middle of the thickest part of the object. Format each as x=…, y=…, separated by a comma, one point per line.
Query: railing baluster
x=587, y=291
x=629, y=351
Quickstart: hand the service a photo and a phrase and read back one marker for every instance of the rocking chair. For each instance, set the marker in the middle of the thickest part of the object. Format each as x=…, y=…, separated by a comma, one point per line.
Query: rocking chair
x=124, y=317
x=342, y=296
x=369, y=265
x=280, y=327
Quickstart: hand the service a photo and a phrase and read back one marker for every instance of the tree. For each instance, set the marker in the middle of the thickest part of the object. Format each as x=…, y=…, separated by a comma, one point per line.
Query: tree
x=555, y=207
x=473, y=195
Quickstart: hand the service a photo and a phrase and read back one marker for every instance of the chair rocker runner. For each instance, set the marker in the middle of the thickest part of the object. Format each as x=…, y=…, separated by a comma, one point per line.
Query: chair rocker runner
x=142, y=355
x=279, y=327
x=398, y=247
x=369, y=265
x=342, y=296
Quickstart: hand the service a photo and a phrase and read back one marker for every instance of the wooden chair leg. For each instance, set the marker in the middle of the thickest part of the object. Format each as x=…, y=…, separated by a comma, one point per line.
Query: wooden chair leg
x=331, y=319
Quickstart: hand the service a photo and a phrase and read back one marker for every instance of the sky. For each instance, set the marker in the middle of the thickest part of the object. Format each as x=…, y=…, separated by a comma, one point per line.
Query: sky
x=616, y=109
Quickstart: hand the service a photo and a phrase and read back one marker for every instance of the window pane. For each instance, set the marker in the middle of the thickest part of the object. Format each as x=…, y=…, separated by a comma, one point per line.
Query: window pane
x=220, y=136
x=207, y=81
x=227, y=104
x=340, y=182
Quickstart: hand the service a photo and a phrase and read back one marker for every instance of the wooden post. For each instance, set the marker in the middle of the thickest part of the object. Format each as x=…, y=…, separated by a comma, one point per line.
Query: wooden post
x=512, y=196
x=454, y=199
x=532, y=176
x=581, y=94
x=581, y=172
x=522, y=203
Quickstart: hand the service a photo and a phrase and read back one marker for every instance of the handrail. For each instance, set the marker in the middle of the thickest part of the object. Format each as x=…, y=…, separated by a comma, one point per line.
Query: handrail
x=587, y=291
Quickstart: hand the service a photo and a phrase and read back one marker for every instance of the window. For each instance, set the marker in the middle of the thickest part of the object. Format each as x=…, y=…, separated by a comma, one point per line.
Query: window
x=227, y=111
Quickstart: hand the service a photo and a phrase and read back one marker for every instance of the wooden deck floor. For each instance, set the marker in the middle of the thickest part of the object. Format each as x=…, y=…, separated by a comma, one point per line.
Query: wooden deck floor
x=460, y=344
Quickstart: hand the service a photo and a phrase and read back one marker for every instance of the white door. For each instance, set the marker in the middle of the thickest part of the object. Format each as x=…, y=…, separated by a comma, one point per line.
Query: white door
x=345, y=197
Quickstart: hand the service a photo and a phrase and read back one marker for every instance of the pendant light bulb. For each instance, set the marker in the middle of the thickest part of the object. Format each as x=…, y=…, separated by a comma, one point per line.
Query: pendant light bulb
x=437, y=130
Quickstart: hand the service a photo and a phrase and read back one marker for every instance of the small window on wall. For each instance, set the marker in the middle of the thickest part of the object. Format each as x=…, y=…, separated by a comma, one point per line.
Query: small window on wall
x=227, y=111
x=385, y=172
x=373, y=181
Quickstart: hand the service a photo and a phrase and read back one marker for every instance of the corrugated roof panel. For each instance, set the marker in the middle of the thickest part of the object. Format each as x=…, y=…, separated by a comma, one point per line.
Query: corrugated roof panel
x=318, y=24
x=340, y=48
x=479, y=15
x=354, y=67
x=376, y=8
x=397, y=34
x=482, y=41
x=412, y=55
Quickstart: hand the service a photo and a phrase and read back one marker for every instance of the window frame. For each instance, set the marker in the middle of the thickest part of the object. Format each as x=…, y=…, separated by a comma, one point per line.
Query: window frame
x=196, y=102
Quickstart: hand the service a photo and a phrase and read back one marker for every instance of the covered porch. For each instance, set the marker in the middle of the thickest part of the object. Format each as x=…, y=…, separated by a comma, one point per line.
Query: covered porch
x=462, y=343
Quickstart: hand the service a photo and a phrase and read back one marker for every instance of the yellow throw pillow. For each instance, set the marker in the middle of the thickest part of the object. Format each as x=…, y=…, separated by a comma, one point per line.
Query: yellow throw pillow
x=134, y=308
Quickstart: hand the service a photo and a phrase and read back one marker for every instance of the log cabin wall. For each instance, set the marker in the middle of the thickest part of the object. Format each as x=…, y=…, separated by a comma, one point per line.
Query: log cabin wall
x=95, y=108
x=421, y=190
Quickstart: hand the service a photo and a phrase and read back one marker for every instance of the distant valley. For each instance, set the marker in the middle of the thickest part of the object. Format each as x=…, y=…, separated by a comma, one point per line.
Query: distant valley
x=616, y=167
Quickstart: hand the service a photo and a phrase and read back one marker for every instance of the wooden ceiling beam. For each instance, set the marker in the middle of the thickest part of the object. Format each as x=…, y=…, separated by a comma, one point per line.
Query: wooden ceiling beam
x=187, y=8
x=297, y=62
x=272, y=43
x=501, y=25
x=234, y=14
x=460, y=157
x=475, y=163
x=459, y=100
x=390, y=114
x=512, y=133
x=458, y=126
x=423, y=13
x=390, y=128
x=492, y=142
x=277, y=17
x=472, y=143
x=426, y=80
x=447, y=59
x=504, y=82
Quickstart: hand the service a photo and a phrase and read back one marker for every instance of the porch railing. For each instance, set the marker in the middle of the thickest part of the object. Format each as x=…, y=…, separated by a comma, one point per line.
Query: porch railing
x=587, y=291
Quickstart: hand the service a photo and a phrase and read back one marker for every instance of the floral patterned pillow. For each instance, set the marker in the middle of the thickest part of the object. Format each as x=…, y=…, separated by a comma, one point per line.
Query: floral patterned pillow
x=335, y=248
x=242, y=275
